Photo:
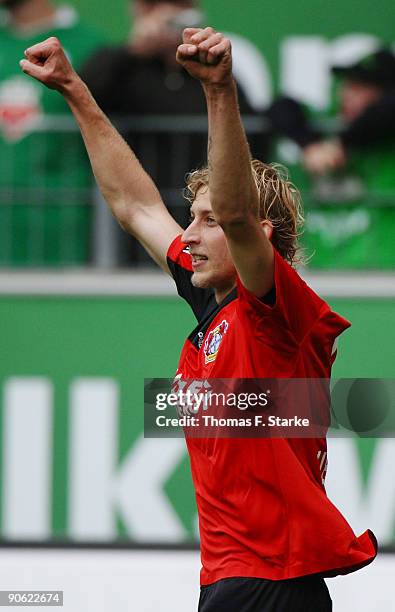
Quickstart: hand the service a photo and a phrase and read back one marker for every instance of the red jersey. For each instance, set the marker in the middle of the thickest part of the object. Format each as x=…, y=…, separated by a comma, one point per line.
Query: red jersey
x=263, y=510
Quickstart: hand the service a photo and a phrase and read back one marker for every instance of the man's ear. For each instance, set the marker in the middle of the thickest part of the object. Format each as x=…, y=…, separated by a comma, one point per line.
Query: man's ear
x=267, y=227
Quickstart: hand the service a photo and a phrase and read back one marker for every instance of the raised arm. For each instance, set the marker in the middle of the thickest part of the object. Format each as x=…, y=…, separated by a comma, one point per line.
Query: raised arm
x=233, y=193
x=129, y=191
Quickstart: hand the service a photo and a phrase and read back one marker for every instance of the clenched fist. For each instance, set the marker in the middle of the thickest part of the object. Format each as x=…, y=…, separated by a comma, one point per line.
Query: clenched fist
x=206, y=55
x=48, y=63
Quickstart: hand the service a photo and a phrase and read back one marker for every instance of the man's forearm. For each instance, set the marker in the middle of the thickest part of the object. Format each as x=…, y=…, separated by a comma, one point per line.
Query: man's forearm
x=122, y=180
x=232, y=188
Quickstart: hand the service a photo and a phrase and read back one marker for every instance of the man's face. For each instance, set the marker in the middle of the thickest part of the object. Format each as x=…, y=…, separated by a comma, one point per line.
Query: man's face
x=356, y=97
x=211, y=261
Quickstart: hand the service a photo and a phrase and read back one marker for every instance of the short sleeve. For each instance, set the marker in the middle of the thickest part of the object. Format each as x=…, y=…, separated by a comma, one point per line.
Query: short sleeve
x=297, y=309
x=324, y=334
x=180, y=266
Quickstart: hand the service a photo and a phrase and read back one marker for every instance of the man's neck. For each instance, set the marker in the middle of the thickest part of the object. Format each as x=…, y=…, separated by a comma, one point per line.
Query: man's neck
x=32, y=14
x=223, y=292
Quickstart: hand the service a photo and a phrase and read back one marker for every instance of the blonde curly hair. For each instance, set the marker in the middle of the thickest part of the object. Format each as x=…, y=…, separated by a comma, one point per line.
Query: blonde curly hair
x=279, y=203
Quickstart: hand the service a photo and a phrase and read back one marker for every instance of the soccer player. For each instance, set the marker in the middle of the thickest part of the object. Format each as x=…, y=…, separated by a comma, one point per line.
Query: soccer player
x=269, y=534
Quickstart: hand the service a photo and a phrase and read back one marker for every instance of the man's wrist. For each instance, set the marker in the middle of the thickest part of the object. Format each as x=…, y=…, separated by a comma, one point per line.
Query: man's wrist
x=223, y=88
x=74, y=89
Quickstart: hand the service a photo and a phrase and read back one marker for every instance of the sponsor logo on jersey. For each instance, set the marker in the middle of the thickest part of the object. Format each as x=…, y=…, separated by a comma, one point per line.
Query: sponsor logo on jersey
x=213, y=341
x=201, y=339
x=20, y=108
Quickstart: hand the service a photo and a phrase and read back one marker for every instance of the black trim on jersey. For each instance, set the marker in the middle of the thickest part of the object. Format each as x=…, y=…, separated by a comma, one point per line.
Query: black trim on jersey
x=212, y=309
x=203, y=302
x=198, y=299
x=197, y=335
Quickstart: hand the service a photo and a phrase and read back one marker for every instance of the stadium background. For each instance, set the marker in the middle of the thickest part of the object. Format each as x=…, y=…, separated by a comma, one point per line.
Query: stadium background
x=265, y=25
x=75, y=349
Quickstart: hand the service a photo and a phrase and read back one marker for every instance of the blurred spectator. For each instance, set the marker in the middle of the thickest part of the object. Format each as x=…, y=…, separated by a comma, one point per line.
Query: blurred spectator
x=366, y=106
x=353, y=168
x=142, y=78
x=44, y=177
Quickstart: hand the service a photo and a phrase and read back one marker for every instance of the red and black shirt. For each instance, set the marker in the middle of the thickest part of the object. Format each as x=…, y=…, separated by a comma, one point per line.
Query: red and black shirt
x=263, y=510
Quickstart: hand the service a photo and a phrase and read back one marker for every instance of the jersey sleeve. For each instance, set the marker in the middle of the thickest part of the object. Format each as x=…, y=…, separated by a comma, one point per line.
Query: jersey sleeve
x=180, y=265
x=297, y=312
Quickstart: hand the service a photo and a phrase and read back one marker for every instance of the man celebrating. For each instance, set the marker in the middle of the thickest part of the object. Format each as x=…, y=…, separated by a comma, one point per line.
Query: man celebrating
x=141, y=78
x=268, y=532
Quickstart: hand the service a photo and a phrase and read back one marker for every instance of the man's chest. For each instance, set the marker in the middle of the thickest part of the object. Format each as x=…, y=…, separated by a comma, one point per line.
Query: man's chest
x=217, y=349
